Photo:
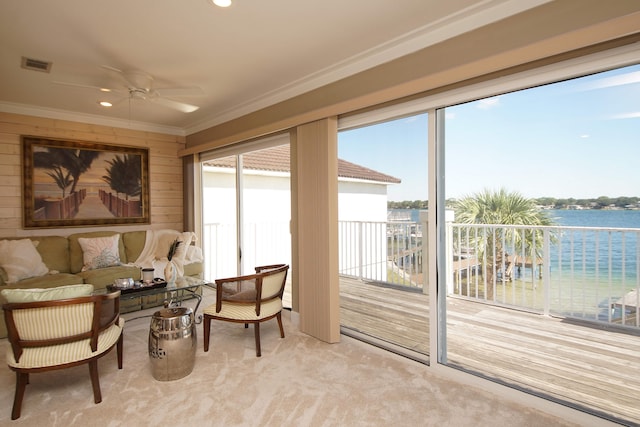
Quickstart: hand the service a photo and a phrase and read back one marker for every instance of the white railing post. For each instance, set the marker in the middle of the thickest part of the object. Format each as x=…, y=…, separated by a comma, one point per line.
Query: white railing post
x=360, y=247
x=449, y=217
x=424, y=221
x=546, y=275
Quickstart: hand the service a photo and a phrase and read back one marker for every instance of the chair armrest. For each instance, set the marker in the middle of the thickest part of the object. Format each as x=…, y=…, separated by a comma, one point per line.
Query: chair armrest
x=241, y=295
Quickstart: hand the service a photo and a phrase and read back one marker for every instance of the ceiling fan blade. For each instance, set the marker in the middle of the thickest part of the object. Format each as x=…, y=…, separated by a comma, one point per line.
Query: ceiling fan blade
x=85, y=86
x=180, y=106
x=133, y=79
x=110, y=68
x=171, y=92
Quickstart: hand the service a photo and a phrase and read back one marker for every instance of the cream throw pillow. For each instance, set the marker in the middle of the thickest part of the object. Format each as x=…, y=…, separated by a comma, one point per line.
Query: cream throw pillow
x=165, y=240
x=37, y=294
x=20, y=260
x=100, y=252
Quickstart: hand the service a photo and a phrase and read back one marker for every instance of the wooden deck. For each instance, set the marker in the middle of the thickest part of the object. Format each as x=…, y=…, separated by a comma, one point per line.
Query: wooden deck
x=593, y=366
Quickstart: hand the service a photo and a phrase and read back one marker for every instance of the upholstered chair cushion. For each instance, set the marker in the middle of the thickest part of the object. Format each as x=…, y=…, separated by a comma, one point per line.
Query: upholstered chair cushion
x=49, y=294
x=245, y=311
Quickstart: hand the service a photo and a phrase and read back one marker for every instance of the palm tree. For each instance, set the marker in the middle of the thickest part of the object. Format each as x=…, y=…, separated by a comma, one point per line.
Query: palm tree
x=75, y=161
x=124, y=175
x=62, y=179
x=501, y=208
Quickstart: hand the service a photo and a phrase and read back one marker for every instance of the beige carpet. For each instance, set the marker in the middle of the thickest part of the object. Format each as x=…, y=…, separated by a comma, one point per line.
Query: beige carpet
x=298, y=381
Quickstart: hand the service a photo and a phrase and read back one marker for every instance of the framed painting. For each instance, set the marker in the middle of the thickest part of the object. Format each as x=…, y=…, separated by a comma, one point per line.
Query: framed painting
x=79, y=183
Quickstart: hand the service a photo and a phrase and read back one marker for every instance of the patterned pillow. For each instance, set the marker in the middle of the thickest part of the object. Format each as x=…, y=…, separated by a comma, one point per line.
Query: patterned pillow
x=20, y=260
x=100, y=252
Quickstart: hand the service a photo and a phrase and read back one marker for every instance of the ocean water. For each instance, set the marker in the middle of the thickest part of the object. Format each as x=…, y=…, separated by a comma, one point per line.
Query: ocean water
x=596, y=218
x=565, y=217
x=611, y=252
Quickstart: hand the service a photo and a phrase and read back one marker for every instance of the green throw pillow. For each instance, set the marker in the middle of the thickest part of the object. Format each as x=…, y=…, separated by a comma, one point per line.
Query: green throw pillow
x=37, y=294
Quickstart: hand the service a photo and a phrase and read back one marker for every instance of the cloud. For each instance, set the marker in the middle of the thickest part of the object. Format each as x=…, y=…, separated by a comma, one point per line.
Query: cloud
x=620, y=80
x=487, y=103
x=634, y=115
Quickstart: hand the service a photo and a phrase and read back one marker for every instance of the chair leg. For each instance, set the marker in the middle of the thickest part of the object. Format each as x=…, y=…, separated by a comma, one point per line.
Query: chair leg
x=119, y=347
x=22, y=379
x=95, y=381
x=256, y=330
x=207, y=331
x=279, y=317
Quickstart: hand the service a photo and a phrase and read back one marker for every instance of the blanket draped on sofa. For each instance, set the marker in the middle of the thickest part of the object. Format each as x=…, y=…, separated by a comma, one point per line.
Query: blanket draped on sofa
x=156, y=248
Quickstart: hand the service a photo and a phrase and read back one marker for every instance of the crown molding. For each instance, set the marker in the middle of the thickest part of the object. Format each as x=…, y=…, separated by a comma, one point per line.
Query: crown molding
x=50, y=113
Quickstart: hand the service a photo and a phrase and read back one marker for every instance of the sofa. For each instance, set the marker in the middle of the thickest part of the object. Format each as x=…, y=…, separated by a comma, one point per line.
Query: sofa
x=97, y=258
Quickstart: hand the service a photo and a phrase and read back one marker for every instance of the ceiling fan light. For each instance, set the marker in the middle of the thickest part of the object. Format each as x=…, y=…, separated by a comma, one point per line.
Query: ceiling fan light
x=221, y=3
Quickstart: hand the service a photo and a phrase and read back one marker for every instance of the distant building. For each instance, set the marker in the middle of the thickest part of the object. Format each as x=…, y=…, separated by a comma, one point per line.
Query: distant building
x=362, y=196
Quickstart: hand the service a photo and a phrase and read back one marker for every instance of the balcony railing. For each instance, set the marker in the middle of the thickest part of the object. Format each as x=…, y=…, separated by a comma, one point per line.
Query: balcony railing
x=264, y=243
x=389, y=252
x=585, y=272
x=581, y=272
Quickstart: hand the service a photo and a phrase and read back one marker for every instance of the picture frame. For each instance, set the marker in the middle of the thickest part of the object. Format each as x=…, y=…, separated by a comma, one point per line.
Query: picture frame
x=69, y=183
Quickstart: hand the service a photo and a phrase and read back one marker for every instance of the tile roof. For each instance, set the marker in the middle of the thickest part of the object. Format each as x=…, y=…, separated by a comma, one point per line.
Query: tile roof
x=277, y=159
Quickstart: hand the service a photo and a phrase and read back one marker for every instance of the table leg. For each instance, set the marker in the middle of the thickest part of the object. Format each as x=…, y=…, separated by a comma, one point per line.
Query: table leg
x=197, y=296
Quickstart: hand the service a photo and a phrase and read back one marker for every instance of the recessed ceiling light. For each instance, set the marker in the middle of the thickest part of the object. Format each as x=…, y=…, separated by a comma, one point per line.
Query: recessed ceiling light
x=221, y=3
x=105, y=104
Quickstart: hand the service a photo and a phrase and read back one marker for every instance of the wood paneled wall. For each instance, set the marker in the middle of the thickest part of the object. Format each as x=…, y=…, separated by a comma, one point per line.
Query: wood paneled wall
x=165, y=170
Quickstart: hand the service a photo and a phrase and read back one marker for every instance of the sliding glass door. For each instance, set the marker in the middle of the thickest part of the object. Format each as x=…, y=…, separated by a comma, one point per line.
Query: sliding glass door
x=542, y=253
x=382, y=206
x=246, y=210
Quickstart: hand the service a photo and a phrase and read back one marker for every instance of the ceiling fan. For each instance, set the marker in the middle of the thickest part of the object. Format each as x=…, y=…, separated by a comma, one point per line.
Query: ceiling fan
x=138, y=85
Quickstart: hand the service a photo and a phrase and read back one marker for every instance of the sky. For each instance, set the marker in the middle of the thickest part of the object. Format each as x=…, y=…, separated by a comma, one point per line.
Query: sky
x=579, y=138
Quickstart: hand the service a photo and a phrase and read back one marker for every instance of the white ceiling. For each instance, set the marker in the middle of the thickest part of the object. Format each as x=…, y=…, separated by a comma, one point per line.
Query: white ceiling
x=245, y=57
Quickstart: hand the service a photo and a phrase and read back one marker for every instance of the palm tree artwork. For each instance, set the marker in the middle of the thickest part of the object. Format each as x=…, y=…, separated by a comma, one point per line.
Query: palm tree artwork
x=492, y=243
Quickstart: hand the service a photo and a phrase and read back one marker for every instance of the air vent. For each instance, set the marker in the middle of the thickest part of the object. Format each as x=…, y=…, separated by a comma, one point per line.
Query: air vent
x=36, y=64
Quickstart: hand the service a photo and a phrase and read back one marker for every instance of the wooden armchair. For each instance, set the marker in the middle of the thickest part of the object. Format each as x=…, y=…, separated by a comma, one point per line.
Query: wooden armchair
x=248, y=299
x=58, y=334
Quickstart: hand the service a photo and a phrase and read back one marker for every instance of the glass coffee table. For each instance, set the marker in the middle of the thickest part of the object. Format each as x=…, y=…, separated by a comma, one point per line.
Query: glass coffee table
x=168, y=295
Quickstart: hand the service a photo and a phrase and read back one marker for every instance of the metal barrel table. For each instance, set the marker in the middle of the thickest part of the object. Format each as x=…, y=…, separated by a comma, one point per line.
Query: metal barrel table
x=172, y=343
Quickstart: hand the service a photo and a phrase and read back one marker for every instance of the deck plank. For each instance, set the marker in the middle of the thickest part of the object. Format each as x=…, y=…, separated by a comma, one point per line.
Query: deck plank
x=593, y=365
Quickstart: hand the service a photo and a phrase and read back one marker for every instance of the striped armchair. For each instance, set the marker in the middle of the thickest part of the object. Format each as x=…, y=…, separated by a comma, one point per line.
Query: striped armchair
x=58, y=334
x=248, y=299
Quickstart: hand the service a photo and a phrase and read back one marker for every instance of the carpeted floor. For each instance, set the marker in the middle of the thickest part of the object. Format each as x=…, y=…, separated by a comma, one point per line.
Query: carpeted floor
x=298, y=381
